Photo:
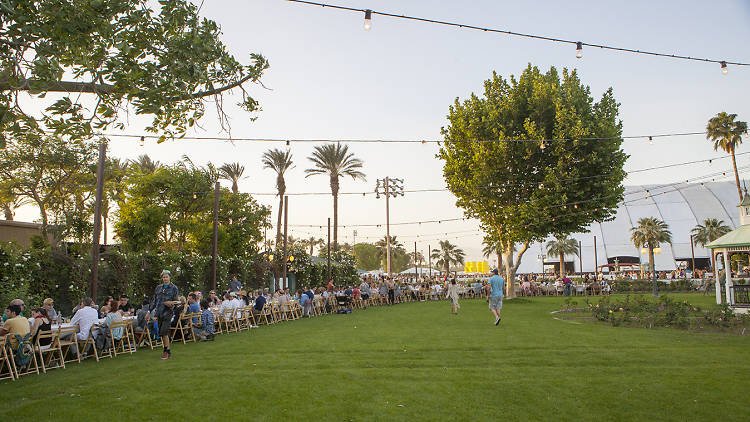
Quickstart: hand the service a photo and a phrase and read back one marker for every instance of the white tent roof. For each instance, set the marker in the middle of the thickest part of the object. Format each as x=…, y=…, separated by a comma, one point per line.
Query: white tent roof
x=422, y=270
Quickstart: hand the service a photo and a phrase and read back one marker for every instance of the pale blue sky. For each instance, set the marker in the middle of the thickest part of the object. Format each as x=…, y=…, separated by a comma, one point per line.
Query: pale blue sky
x=331, y=79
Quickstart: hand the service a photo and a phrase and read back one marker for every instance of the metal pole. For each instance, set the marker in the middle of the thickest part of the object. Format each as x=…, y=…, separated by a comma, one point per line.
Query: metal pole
x=286, y=224
x=329, y=248
x=692, y=256
x=387, y=228
x=596, y=263
x=215, y=257
x=429, y=259
x=580, y=259
x=416, y=266
x=94, y=285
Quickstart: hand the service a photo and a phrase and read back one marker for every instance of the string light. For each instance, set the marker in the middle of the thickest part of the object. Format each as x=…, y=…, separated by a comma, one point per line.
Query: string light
x=578, y=44
x=579, y=49
x=368, y=20
x=195, y=196
x=143, y=140
x=651, y=140
x=724, y=69
x=709, y=162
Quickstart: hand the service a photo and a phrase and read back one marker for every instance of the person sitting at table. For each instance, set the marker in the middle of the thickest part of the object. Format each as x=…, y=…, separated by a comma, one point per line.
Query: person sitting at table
x=48, y=304
x=123, y=304
x=226, y=305
x=85, y=318
x=16, y=324
x=142, y=316
x=42, y=322
x=204, y=328
x=113, y=315
x=213, y=300
x=260, y=302
x=235, y=301
x=193, y=306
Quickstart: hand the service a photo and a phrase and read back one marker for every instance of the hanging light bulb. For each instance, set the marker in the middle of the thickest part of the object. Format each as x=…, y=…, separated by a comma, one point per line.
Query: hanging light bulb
x=543, y=145
x=650, y=140
x=195, y=196
x=724, y=69
x=368, y=20
x=288, y=145
x=579, y=50
x=143, y=140
x=709, y=162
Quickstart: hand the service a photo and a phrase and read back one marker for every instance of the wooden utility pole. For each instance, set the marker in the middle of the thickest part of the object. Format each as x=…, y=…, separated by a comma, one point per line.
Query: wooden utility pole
x=596, y=263
x=329, y=249
x=580, y=258
x=286, y=224
x=94, y=285
x=416, y=266
x=429, y=260
x=216, y=236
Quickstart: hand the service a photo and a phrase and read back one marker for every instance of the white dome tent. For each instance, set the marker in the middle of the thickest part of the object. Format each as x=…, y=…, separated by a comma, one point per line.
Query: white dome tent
x=681, y=205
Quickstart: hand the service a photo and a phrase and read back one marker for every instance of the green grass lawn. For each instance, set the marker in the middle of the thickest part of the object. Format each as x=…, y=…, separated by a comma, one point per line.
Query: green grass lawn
x=413, y=361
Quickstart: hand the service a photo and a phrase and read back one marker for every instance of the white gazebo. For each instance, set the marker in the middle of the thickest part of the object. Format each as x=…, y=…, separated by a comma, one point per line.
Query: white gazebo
x=736, y=241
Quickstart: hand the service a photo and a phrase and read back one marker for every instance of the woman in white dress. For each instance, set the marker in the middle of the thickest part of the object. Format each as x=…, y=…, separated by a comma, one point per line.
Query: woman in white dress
x=452, y=294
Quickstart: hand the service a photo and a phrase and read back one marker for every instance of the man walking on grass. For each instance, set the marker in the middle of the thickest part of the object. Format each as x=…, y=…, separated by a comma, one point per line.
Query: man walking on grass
x=496, y=296
x=165, y=297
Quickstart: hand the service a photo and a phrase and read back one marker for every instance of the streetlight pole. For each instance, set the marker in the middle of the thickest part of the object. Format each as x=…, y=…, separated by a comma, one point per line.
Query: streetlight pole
x=388, y=187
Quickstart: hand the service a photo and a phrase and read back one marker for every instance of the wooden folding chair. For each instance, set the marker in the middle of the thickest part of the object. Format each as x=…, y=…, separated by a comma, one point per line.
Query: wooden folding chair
x=52, y=350
x=126, y=344
x=178, y=329
x=66, y=336
x=243, y=322
x=230, y=323
x=91, y=340
x=6, y=365
x=31, y=367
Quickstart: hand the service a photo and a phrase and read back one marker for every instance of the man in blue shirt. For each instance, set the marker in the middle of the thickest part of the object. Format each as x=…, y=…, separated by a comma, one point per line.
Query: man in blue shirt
x=193, y=306
x=496, y=296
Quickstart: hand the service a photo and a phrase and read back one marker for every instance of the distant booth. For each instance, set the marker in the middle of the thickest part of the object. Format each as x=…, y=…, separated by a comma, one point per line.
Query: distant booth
x=735, y=242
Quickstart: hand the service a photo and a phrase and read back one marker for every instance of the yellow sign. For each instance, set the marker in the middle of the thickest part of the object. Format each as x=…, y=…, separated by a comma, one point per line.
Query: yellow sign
x=476, y=267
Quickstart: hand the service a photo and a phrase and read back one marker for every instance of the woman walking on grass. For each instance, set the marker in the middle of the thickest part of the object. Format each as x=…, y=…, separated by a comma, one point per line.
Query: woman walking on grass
x=452, y=294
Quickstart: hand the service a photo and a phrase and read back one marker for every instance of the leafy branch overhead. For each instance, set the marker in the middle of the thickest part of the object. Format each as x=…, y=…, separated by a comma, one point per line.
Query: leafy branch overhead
x=164, y=62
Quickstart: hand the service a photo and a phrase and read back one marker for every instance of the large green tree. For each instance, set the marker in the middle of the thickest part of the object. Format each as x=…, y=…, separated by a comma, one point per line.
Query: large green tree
x=522, y=188
x=50, y=172
x=336, y=161
x=165, y=61
x=726, y=133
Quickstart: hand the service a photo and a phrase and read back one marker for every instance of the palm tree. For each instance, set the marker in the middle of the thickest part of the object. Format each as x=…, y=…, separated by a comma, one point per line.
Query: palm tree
x=562, y=246
x=233, y=173
x=710, y=230
x=278, y=161
x=448, y=254
x=336, y=161
x=649, y=233
x=726, y=133
x=382, y=249
x=145, y=164
x=311, y=243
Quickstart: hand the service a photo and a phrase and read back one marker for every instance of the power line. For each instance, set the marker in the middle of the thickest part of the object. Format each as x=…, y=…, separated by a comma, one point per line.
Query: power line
x=579, y=44
x=649, y=138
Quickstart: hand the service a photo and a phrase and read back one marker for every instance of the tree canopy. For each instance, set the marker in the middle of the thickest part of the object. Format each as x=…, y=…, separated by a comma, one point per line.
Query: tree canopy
x=534, y=156
x=165, y=62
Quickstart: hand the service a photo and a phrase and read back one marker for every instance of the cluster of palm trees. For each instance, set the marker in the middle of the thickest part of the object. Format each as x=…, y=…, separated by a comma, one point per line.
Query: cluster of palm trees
x=333, y=160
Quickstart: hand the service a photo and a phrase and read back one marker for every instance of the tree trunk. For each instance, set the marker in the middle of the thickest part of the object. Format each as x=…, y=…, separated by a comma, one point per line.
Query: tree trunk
x=8, y=211
x=653, y=272
x=562, y=265
x=104, y=227
x=235, y=188
x=278, y=221
x=45, y=221
x=336, y=221
x=736, y=176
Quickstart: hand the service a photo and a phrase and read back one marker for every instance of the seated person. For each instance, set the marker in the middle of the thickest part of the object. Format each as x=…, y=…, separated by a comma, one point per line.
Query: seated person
x=113, y=315
x=85, y=318
x=260, y=302
x=142, y=316
x=16, y=324
x=204, y=329
x=213, y=300
x=48, y=304
x=348, y=291
x=123, y=304
x=41, y=323
x=193, y=306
